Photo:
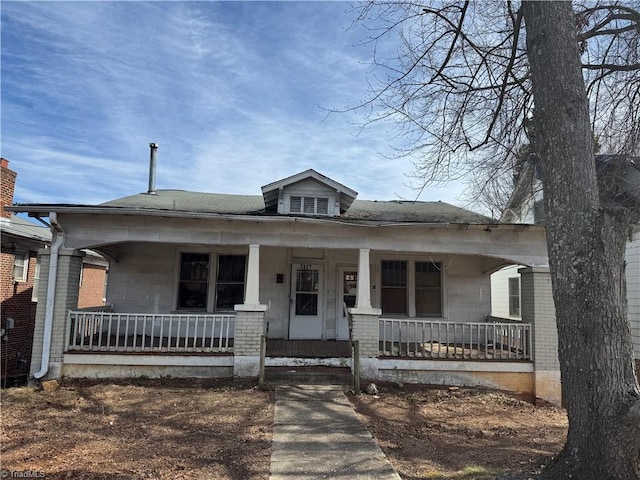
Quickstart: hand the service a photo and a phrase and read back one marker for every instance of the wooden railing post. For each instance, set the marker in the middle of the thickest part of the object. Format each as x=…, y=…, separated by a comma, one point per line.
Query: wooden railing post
x=355, y=344
x=263, y=354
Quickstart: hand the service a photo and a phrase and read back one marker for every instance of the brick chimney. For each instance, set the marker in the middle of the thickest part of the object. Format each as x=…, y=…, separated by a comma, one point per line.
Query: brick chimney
x=8, y=180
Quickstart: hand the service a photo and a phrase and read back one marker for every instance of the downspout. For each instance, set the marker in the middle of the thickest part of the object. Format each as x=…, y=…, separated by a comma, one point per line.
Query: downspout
x=58, y=241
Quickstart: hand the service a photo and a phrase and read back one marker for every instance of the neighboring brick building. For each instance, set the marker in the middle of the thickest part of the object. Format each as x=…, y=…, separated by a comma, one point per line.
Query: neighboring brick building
x=92, y=280
x=20, y=271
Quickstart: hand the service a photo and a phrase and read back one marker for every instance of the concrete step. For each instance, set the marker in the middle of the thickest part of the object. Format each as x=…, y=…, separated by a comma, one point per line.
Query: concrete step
x=308, y=375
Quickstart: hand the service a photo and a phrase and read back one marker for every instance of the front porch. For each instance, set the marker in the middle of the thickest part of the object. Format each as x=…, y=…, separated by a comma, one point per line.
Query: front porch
x=109, y=332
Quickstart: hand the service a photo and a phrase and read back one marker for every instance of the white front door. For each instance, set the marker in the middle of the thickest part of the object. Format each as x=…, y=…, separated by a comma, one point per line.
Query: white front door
x=347, y=289
x=305, y=320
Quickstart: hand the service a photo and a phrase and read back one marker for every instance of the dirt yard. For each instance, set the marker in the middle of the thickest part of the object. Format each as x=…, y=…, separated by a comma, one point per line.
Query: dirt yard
x=179, y=429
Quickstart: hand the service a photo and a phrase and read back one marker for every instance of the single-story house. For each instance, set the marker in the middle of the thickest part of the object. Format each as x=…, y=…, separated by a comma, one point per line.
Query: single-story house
x=205, y=284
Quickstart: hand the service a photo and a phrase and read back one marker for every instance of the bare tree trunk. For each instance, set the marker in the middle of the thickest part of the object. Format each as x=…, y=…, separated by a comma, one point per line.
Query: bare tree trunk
x=586, y=254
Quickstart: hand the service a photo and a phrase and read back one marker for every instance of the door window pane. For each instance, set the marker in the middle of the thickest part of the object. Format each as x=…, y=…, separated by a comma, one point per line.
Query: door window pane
x=307, y=292
x=306, y=304
x=350, y=282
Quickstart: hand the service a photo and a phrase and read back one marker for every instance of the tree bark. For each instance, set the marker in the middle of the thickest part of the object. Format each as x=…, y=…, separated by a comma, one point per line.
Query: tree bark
x=586, y=245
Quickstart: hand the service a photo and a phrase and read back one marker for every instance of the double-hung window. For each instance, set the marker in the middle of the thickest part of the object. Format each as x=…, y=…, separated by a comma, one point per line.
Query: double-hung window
x=195, y=287
x=411, y=289
x=514, y=297
x=20, y=266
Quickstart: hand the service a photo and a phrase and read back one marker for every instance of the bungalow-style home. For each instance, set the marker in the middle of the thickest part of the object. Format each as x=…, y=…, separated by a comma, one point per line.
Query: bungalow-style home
x=206, y=284
x=619, y=181
x=19, y=278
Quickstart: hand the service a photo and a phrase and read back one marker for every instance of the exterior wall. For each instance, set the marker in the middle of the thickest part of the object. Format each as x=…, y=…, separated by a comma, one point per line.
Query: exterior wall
x=500, y=291
x=145, y=277
x=92, y=286
x=16, y=303
x=538, y=309
x=633, y=290
x=468, y=289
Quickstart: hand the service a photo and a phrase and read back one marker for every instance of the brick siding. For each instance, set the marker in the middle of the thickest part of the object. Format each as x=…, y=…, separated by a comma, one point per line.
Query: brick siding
x=92, y=286
x=15, y=298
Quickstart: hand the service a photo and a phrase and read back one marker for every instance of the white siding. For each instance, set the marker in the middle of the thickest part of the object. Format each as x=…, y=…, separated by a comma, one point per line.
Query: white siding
x=500, y=291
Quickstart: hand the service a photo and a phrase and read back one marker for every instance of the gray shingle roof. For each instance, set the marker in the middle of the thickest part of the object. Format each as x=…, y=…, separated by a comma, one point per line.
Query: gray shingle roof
x=361, y=211
x=19, y=227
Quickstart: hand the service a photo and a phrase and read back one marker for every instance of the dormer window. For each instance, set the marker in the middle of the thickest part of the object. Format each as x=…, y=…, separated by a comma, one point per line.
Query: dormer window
x=309, y=205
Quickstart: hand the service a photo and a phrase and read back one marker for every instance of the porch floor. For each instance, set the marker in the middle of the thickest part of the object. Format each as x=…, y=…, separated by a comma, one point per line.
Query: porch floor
x=308, y=348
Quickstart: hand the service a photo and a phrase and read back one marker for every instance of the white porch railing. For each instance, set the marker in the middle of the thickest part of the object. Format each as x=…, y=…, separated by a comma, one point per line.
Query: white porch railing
x=142, y=332
x=455, y=340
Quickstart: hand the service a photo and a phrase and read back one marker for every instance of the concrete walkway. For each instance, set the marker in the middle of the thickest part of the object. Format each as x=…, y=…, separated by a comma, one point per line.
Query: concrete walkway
x=317, y=434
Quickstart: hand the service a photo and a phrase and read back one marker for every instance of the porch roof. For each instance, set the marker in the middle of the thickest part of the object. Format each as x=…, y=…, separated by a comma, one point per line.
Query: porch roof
x=181, y=203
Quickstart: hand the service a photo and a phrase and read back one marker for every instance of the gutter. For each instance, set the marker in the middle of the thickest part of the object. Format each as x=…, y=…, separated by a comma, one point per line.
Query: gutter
x=58, y=241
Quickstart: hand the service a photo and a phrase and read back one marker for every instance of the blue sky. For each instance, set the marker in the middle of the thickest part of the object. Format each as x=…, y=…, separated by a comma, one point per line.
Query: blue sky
x=234, y=93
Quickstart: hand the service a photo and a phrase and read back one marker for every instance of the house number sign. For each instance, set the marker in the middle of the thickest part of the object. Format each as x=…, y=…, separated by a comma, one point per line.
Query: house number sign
x=305, y=266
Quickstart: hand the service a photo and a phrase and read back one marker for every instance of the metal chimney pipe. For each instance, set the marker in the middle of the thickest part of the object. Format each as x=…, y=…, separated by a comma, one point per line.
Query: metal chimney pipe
x=152, y=168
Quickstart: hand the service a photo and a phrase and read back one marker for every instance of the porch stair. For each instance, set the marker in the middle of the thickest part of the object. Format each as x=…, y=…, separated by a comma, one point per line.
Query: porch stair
x=308, y=375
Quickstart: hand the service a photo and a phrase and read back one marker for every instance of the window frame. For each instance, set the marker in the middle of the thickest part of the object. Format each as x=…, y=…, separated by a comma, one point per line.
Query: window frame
x=411, y=285
x=438, y=266
x=303, y=202
x=179, y=280
x=212, y=279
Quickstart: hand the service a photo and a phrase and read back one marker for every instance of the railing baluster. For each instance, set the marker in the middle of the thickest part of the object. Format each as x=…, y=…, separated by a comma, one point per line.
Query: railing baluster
x=102, y=331
x=461, y=340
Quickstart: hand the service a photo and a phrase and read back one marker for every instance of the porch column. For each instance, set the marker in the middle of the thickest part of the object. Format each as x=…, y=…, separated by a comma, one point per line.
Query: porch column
x=66, y=298
x=538, y=310
x=363, y=299
x=252, y=293
x=365, y=321
x=250, y=322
